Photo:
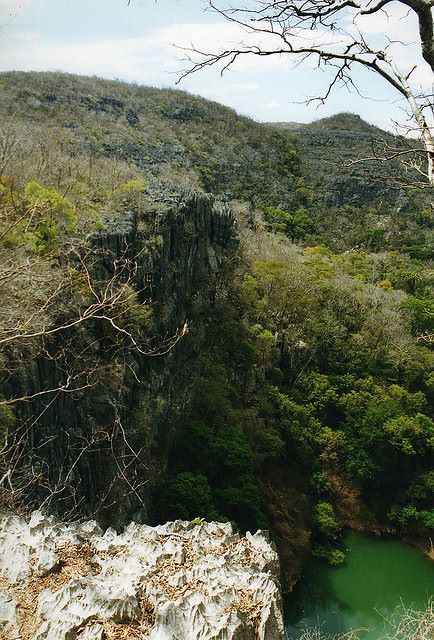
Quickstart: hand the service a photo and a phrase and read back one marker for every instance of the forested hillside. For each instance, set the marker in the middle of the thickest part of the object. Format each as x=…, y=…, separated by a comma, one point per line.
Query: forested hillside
x=363, y=203
x=264, y=358
x=181, y=139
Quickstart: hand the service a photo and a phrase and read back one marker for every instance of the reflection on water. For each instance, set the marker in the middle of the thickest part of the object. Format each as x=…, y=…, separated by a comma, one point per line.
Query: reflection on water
x=364, y=593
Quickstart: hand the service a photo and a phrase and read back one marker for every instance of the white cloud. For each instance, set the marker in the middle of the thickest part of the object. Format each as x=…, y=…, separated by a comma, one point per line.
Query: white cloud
x=241, y=96
x=218, y=37
x=225, y=91
x=156, y=57
x=273, y=104
x=397, y=22
x=134, y=59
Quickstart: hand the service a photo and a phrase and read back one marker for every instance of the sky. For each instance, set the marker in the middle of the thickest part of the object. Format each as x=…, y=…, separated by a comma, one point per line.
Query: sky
x=139, y=42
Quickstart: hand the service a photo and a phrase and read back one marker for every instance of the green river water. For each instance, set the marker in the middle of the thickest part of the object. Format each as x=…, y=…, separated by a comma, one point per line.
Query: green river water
x=376, y=577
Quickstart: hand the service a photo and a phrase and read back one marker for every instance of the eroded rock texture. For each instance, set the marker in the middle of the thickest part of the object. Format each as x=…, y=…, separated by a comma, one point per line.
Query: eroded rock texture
x=99, y=451
x=177, y=581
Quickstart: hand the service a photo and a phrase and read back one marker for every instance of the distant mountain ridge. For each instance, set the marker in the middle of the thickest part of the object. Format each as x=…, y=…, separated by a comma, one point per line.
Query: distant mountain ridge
x=330, y=146
x=70, y=125
x=168, y=134
x=344, y=121
x=171, y=134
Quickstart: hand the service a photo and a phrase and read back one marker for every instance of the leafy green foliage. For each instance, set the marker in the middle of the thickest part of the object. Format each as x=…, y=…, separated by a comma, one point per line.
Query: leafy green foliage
x=49, y=215
x=338, y=343
x=188, y=496
x=322, y=346
x=325, y=520
x=411, y=435
x=296, y=225
x=333, y=556
x=212, y=446
x=38, y=217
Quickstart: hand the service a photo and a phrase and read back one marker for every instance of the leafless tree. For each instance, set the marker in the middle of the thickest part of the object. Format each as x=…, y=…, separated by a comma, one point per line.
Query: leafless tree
x=10, y=138
x=82, y=315
x=84, y=324
x=81, y=298
x=330, y=33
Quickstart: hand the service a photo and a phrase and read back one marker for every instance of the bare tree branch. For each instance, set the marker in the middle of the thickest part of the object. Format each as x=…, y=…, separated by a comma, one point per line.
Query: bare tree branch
x=298, y=30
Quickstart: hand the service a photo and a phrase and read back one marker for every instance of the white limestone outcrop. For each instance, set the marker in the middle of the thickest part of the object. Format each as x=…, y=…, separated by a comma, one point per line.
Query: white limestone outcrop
x=177, y=581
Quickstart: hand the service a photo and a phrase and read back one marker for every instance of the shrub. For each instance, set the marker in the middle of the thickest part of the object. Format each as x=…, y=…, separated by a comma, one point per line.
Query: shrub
x=49, y=216
x=333, y=556
x=325, y=520
x=188, y=496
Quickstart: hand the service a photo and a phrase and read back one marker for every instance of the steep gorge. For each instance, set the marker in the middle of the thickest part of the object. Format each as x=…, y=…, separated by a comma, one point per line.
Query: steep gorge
x=246, y=371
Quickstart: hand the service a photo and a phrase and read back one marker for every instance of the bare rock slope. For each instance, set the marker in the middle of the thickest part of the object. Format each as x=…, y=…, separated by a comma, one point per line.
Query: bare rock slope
x=178, y=581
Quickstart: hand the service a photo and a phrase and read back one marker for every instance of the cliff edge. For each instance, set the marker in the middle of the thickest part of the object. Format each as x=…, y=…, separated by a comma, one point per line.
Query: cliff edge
x=178, y=581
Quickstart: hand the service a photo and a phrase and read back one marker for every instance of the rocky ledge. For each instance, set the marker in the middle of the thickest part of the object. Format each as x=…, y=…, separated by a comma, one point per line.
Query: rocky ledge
x=178, y=581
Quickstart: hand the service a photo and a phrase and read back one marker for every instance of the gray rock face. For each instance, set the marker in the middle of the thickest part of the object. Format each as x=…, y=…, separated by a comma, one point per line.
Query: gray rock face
x=177, y=581
x=84, y=463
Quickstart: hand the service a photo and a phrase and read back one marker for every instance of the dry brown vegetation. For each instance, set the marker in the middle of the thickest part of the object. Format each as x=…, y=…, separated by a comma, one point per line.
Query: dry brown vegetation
x=75, y=561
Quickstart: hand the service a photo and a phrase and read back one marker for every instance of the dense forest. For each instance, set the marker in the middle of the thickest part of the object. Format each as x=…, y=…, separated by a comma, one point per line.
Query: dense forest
x=304, y=365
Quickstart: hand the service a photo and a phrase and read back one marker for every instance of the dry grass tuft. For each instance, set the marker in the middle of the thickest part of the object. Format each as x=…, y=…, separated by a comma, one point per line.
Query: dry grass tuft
x=412, y=625
x=132, y=630
x=75, y=562
x=415, y=625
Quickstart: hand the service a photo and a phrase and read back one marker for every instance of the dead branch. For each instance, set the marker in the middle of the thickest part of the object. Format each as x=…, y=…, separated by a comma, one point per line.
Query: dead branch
x=327, y=31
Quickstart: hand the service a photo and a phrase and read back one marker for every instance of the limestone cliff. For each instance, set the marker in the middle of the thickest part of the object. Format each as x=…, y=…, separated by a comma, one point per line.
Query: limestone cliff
x=178, y=581
x=98, y=451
